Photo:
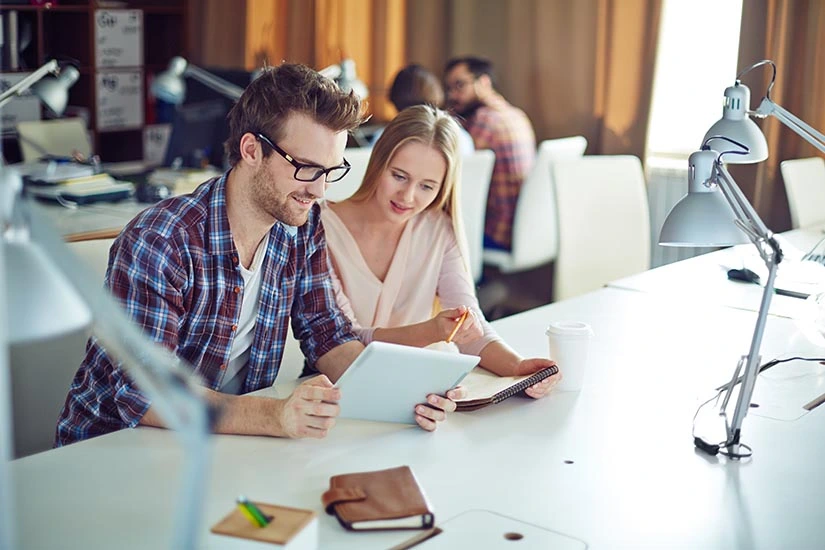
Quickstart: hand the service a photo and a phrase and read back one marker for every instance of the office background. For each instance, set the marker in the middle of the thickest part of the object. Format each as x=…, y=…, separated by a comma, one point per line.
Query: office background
x=584, y=67
x=577, y=68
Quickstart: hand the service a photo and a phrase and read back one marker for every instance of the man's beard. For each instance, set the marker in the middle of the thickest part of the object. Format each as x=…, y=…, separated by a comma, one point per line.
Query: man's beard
x=467, y=112
x=274, y=203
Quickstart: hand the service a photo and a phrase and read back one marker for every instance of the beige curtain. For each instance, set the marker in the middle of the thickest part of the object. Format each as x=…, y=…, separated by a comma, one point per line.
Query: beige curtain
x=575, y=67
x=250, y=33
x=792, y=34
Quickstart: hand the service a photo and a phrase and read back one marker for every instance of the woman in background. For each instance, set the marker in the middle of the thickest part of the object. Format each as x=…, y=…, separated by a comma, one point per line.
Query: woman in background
x=415, y=85
x=397, y=248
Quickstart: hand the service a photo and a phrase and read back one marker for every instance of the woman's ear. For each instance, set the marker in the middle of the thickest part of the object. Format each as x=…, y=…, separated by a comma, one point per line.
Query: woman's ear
x=250, y=149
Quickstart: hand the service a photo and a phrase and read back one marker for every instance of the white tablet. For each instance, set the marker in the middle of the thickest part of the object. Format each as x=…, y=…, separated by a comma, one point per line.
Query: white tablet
x=387, y=381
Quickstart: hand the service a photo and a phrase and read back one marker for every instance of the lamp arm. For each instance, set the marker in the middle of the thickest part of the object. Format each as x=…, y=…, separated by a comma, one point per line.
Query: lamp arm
x=172, y=388
x=799, y=126
x=771, y=254
x=745, y=213
x=27, y=82
x=217, y=83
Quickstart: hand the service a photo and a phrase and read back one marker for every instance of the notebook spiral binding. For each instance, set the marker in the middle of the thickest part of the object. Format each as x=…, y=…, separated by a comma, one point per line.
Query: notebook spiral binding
x=526, y=383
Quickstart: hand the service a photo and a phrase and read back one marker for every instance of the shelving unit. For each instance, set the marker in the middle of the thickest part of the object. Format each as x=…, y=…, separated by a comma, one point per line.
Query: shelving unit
x=67, y=32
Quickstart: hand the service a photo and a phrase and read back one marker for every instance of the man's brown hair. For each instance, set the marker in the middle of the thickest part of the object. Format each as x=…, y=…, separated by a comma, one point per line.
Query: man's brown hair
x=280, y=91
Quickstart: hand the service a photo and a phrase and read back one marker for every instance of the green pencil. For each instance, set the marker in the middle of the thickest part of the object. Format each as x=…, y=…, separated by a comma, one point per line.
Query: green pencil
x=254, y=510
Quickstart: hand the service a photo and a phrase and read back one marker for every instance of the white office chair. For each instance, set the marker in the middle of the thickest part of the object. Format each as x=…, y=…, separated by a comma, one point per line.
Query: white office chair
x=358, y=157
x=535, y=232
x=94, y=254
x=805, y=185
x=476, y=171
x=604, y=223
x=42, y=372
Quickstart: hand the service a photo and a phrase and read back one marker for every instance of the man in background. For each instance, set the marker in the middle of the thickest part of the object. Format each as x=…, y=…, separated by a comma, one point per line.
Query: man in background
x=493, y=124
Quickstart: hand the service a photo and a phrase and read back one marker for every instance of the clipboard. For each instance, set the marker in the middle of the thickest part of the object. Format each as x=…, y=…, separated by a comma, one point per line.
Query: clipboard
x=387, y=381
x=490, y=530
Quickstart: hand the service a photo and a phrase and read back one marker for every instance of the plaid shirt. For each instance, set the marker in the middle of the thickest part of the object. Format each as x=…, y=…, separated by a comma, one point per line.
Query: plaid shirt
x=506, y=130
x=175, y=269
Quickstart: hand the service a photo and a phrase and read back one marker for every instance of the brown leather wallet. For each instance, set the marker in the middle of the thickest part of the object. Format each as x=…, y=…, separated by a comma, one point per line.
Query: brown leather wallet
x=380, y=500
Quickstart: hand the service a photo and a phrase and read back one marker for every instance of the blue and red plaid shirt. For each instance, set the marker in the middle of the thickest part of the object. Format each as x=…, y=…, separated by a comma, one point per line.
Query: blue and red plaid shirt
x=506, y=130
x=175, y=270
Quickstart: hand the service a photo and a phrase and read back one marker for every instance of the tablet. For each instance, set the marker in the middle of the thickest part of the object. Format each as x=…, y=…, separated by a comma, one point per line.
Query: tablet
x=387, y=381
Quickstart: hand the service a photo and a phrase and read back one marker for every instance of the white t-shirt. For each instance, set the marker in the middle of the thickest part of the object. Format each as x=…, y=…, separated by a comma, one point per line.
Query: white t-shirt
x=235, y=374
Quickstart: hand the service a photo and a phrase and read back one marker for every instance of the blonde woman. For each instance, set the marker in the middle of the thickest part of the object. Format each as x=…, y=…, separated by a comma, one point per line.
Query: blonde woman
x=397, y=248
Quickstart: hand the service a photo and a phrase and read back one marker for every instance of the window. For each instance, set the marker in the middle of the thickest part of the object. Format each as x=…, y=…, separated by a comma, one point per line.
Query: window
x=696, y=60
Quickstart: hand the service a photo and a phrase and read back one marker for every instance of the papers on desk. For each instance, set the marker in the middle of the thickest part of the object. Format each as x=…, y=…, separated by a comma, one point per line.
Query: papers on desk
x=183, y=180
x=53, y=172
x=485, y=529
x=86, y=190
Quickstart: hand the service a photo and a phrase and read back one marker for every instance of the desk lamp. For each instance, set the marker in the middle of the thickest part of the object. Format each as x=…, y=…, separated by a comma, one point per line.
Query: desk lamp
x=344, y=75
x=170, y=87
x=736, y=125
x=53, y=91
x=44, y=292
x=715, y=212
x=701, y=219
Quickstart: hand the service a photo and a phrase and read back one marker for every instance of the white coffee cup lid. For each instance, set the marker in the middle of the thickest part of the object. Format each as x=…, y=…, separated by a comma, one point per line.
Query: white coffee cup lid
x=569, y=328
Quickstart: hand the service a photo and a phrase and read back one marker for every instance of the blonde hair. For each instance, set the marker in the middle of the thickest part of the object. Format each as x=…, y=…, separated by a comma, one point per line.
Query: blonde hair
x=435, y=129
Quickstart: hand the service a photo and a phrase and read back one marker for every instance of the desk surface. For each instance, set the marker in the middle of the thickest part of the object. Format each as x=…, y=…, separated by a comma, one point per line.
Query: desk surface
x=104, y=220
x=635, y=479
x=92, y=221
x=703, y=279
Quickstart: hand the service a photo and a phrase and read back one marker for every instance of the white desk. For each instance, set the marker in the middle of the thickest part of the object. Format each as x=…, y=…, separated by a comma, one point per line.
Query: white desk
x=703, y=279
x=95, y=221
x=635, y=481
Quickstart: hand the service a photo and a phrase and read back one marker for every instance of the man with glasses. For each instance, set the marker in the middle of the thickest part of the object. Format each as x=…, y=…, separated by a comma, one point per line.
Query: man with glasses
x=217, y=275
x=494, y=124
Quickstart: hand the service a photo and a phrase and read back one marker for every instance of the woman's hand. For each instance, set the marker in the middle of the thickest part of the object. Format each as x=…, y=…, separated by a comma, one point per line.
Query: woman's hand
x=529, y=366
x=445, y=322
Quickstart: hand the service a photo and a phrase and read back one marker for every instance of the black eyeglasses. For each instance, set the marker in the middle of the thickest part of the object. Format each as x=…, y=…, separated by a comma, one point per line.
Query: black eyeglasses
x=309, y=172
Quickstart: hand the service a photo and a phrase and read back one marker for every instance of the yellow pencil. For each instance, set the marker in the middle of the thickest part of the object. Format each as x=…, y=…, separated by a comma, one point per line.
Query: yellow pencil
x=245, y=511
x=458, y=325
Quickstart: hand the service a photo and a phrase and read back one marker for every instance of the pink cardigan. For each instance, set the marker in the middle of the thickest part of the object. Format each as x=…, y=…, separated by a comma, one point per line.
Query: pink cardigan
x=427, y=264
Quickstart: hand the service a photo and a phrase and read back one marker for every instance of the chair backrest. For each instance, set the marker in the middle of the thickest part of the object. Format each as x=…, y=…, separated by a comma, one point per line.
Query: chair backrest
x=58, y=137
x=94, y=254
x=805, y=185
x=535, y=228
x=604, y=222
x=358, y=157
x=476, y=171
x=41, y=372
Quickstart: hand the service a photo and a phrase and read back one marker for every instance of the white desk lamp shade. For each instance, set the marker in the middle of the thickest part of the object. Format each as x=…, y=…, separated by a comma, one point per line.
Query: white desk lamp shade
x=42, y=303
x=348, y=79
x=168, y=85
x=737, y=125
x=54, y=91
x=703, y=217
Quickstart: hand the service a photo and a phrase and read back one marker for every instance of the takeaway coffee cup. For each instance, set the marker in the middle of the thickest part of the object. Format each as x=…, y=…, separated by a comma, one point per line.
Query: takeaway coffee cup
x=569, y=345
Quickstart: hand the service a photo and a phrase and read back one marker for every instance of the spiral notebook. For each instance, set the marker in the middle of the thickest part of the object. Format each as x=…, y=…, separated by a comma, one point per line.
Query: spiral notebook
x=486, y=388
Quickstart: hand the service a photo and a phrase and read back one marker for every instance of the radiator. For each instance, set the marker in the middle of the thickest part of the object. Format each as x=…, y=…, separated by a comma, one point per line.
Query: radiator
x=666, y=184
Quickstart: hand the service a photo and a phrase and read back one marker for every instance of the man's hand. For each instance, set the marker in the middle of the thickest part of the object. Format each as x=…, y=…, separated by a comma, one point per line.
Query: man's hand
x=311, y=409
x=529, y=366
x=435, y=410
